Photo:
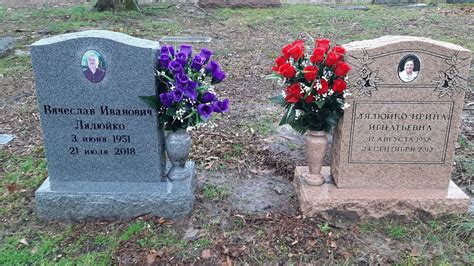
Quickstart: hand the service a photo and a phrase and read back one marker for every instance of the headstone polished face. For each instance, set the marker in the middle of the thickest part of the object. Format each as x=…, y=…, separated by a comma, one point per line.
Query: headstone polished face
x=401, y=128
x=95, y=126
x=104, y=148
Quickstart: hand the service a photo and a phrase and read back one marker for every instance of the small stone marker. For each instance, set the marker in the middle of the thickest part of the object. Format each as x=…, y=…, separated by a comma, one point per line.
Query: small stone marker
x=185, y=39
x=363, y=8
x=6, y=138
x=239, y=3
x=104, y=149
x=6, y=45
x=393, y=150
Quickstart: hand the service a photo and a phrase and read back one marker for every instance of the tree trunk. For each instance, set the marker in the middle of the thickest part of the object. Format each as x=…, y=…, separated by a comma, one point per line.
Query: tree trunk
x=103, y=5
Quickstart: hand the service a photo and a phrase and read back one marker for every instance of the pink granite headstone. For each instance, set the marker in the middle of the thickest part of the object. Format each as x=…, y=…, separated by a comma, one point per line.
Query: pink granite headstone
x=393, y=150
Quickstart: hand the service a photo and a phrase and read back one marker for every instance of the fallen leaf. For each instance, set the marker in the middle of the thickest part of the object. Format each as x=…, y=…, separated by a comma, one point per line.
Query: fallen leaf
x=205, y=254
x=333, y=244
x=34, y=250
x=24, y=242
x=11, y=188
x=228, y=261
x=151, y=258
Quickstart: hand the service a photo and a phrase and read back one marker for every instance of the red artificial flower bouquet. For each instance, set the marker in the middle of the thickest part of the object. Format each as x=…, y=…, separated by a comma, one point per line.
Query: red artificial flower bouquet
x=315, y=85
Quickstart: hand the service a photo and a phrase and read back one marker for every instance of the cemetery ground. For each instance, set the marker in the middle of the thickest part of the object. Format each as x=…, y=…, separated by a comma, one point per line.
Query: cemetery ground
x=246, y=209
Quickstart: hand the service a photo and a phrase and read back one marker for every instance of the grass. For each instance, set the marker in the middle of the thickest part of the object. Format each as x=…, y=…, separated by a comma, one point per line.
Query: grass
x=464, y=161
x=396, y=232
x=14, y=64
x=22, y=175
x=325, y=228
x=133, y=229
x=56, y=20
x=443, y=241
x=265, y=126
x=215, y=193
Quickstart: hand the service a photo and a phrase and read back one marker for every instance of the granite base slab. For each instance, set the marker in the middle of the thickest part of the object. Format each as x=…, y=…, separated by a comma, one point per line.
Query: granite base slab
x=329, y=202
x=87, y=200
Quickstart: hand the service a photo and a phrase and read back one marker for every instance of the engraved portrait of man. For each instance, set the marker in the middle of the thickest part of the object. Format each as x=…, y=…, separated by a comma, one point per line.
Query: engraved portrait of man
x=93, y=66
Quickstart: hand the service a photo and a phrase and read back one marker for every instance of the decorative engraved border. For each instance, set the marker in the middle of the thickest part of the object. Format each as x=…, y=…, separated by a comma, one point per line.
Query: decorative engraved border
x=446, y=138
x=449, y=80
x=367, y=79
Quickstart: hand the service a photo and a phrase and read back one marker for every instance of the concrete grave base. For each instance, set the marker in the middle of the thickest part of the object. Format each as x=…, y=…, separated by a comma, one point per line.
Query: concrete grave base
x=330, y=202
x=86, y=200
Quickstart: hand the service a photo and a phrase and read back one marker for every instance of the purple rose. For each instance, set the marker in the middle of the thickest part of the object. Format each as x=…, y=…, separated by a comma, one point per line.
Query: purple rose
x=181, y=58
x=167, y=49
x=164, y=50
x=191, y=93
x=204, y=110
x=221, y=106
x=193, y=84
x=175, y=67
x=218, y=75
x=177, y=95
x=198, y=62
x=166, y=99
x=181, y=80
x=212, y=66
x=208, y=97
x=186, y=48
x=206, y=53
x=164, y=60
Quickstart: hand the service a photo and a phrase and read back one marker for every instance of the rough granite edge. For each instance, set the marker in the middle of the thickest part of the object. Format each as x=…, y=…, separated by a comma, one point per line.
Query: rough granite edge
x=392, y=39
x=100, y=34
x=357, y=209
x=125, y=203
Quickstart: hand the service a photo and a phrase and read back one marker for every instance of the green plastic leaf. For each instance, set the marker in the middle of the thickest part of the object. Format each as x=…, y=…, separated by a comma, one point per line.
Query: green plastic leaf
x=278, y=100
x=320, y=104
x=151, y=101
x=202, y=87
x=170, y=112
x=274, y=76
x=168, y=78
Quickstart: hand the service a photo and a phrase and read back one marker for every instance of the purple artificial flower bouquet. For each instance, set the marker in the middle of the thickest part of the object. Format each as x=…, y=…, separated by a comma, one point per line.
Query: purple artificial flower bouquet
x=185, y=95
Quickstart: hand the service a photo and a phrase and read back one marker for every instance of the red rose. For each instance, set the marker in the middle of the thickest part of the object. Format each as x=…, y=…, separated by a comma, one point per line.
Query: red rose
x=279, y=61
x=332, y=59
x=323, y=43
x=339, y=86
x=287, y=70
x=286, y=50
x=310, y=73
x=318, y=55
x=341, y=69
x=293, y=93
x=297, y=49
x=309, y=99
x=339, y=50
x=324, y=87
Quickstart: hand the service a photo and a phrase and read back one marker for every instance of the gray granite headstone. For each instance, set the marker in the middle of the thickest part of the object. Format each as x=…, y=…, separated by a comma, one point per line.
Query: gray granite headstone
x=6, y=45
x=104, y=148
x=185, y=39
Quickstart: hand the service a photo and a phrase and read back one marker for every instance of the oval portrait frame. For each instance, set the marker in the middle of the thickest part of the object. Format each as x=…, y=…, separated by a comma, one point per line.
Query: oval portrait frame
x=401, y=68
x=93, y=66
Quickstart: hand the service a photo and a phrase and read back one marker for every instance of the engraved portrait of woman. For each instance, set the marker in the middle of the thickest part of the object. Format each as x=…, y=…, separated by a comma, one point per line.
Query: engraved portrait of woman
x=408, y=68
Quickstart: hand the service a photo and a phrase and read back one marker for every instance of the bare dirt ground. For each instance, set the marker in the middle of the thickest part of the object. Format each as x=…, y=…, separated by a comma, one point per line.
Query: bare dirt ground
x=246, y=209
